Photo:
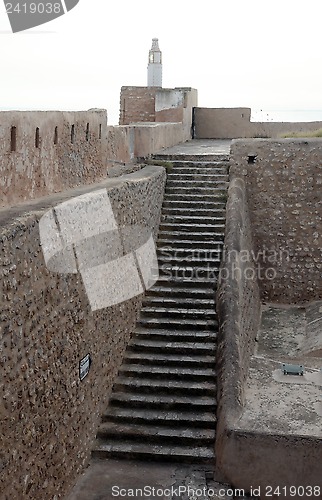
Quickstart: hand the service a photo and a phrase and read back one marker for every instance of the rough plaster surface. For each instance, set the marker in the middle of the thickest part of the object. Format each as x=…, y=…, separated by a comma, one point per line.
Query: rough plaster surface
x=48, y=416
x=97, y=150
x=284, y=196
x=30, y=172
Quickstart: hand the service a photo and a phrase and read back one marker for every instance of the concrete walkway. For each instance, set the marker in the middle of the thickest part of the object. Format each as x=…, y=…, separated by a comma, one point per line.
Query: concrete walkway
x=126, y=479
x=200, y=147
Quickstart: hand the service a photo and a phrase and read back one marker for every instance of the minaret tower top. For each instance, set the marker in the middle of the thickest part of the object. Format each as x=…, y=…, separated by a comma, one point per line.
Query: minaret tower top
x=155, y=65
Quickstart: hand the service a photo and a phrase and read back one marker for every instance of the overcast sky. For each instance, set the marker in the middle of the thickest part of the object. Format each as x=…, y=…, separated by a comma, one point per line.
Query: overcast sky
x=253, y=53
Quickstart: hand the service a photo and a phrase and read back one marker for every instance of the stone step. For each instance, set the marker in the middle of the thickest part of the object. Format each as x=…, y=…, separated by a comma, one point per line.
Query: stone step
x=169, y=359
x=187, y=228
x=178, y=292
x=177, y=323
x=168, y=261
x=199, y=176
x=180, y=302
x=175, y=251
x=167, y=373
x=189, y=282
x=191, y=191
x=166, y=347
x=192, y=205
x=173, y=387
x=185, y=272
x=204, y=162
x=197, y=236
x=197, y=198
x=190, y=244
x=156, y=434
x=197, y=185
x=195, y=212
x=200, y=159
x=163, y=334
x=200, y=171
x=168, y=418
x=192, y=219
x=150, y=401
x=161, y=311
x=121, y=449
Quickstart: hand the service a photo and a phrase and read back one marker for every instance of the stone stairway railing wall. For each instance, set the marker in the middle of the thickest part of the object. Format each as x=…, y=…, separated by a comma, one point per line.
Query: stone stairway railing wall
x=239, y=314
x=49, y=417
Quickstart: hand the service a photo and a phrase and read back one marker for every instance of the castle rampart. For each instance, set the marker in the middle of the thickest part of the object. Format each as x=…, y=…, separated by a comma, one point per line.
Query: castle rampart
x=49, y=417
x=269, y=307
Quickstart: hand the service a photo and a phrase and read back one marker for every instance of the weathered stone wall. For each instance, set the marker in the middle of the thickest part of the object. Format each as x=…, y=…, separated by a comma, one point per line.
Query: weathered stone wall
x=239, y=310
x=48, y=416
x=234, y=123
x=284, y=181
x=313, y=340
x=272, y=462
x=273, y=233
x=43, y=152
x=119, y=147
x=137, y=104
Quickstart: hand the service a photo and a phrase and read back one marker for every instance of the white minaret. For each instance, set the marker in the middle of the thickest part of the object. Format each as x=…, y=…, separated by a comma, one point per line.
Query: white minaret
x=155, y=65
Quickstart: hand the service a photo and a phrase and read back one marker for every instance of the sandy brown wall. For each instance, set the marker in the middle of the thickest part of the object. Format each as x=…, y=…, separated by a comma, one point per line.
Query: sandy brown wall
x=284, y=181
x=48, y=416
x=274, y=213
x=234, y=123
x=221, y=123
x=59, y=162
x=70, y=151
x=153, y=138
x=264, y=463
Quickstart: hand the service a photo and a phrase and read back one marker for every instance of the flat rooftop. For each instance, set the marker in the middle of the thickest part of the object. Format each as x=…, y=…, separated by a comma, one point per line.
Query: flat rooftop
x=200, y=147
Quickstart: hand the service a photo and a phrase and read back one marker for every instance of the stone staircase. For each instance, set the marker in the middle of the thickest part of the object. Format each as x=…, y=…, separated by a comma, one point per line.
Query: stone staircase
x=163, y=404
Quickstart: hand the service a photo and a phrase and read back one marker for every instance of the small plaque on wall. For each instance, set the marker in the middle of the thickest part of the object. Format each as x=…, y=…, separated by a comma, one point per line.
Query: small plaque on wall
x=84, y=366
